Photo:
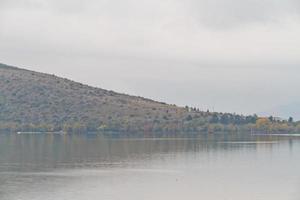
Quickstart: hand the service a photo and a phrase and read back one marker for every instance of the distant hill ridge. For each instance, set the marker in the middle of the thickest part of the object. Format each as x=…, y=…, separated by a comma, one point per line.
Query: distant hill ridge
x=33, y=101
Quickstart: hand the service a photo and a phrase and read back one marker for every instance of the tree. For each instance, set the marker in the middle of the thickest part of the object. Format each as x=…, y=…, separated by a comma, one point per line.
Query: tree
x=214, y=119
x=263, y=123
x=189, y=118
x=291, y=120
x=225, y=119
x=271, y=118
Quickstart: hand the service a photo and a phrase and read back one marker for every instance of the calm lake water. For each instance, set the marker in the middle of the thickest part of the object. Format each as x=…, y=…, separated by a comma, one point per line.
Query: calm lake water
x=211, y=167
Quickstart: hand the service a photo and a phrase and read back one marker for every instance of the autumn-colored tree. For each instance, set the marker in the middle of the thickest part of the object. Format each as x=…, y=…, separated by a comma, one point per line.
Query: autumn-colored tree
x=263, y=123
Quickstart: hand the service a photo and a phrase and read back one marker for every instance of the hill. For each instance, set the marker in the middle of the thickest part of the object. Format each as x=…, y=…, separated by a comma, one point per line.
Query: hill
x=28, y=97
x=33, y=101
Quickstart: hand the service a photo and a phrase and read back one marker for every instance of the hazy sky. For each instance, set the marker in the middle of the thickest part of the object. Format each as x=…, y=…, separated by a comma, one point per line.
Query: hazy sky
x=228, y=55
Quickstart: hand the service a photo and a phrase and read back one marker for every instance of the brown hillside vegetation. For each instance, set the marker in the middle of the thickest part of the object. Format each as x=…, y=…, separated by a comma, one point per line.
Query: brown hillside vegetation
x=32, y=101
x=32, y=98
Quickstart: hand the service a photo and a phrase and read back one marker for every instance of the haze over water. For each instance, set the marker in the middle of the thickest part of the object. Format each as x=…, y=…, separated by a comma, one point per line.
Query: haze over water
x=212, y=167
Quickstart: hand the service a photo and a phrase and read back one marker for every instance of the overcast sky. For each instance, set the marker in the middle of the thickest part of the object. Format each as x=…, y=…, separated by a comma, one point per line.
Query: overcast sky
x=238, y=56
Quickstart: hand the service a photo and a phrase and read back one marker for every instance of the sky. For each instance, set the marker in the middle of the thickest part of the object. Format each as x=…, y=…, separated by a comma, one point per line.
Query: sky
x=239, y=56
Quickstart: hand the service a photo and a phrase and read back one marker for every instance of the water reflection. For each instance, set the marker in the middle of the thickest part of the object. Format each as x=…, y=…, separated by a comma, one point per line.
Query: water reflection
x=27, y=152
x=223, y=166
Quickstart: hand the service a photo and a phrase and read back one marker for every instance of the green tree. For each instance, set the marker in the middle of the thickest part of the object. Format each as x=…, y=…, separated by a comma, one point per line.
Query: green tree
x=189, y=118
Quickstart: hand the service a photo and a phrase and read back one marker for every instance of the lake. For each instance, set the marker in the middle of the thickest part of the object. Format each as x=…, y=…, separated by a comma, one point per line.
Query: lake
x=93, y=167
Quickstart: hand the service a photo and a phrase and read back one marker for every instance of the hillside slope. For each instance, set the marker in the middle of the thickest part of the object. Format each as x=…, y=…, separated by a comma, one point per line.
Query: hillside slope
x=33, y=101
x=30, y=98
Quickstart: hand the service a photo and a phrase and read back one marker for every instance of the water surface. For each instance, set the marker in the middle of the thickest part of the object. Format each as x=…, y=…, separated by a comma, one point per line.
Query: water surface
x=211, y=167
